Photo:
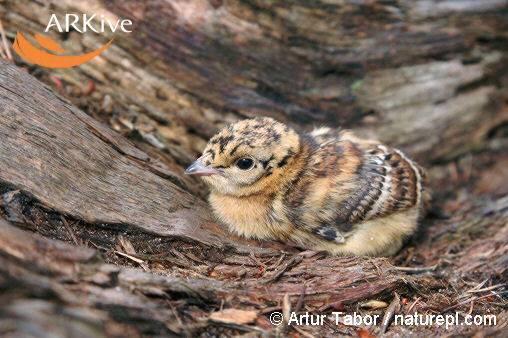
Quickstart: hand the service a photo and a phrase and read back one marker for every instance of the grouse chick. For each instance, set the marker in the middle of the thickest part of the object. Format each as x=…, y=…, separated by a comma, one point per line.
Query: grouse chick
x=324, y=190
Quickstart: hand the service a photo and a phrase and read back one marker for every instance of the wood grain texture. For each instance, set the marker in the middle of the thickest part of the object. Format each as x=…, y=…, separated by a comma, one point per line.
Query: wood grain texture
x=413, y=74
x=429, y=76
x=55, y=288
x=99, y=303
x=73, y=164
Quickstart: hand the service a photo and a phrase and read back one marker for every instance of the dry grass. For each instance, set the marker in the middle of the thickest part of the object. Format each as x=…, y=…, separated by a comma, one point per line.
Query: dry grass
x=5, y=49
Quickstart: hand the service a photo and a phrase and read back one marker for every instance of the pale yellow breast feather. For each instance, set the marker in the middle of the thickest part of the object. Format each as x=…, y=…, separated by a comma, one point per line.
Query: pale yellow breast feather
x=246, y=216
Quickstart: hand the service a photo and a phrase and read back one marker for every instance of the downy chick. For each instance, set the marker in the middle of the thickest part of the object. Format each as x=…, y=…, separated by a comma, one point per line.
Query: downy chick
x=324, y=190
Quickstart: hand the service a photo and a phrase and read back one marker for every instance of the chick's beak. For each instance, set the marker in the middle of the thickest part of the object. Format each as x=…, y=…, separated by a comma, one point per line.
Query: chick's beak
x=199, y=169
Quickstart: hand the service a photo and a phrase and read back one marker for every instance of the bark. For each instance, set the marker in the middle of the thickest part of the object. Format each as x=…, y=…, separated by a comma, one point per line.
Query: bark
x=107, y=237
x=411, y=73
x=66, y=176
x=66, y=159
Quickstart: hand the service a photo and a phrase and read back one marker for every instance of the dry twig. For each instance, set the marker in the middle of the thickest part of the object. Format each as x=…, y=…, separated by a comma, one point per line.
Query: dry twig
x=416, y=269
x=393, y=308
x=5, y=43
x=286, y=266
x=69, y=230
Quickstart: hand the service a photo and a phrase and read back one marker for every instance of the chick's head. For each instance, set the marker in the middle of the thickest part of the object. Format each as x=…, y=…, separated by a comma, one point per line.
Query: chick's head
x=247, y=157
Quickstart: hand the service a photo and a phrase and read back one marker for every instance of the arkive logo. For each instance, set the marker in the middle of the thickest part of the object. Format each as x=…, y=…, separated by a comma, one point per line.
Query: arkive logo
x=48, y=53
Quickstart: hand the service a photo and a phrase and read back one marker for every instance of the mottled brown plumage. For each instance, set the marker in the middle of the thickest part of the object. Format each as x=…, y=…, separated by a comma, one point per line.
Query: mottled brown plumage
x=325, y=190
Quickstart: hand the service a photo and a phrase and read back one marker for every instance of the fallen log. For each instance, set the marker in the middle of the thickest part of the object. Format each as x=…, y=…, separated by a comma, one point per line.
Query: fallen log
x=78, y=167
x=66, y=176
x=427, y=76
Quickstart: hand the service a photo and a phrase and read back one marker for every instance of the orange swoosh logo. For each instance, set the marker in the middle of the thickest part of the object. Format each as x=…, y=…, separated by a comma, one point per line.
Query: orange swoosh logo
x=48, y=43
x=33, y=54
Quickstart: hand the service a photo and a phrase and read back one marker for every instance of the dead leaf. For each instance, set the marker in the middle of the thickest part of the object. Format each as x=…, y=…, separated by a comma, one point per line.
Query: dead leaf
x=126, y=245
x=374, y=305
x=234, y=316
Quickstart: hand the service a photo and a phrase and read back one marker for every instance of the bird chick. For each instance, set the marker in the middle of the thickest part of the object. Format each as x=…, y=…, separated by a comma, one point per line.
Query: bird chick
x=324, y=190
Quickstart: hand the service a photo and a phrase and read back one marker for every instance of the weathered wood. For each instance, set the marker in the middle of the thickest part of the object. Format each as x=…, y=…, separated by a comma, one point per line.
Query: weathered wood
x=51, y=281
x=58, y=156
x=81, y=297
x=427, y=76
x=70, y=162
x=59, y=163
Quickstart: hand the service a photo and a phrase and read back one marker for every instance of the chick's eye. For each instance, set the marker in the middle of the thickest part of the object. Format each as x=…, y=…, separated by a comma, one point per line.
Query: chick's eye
x=245, y=163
